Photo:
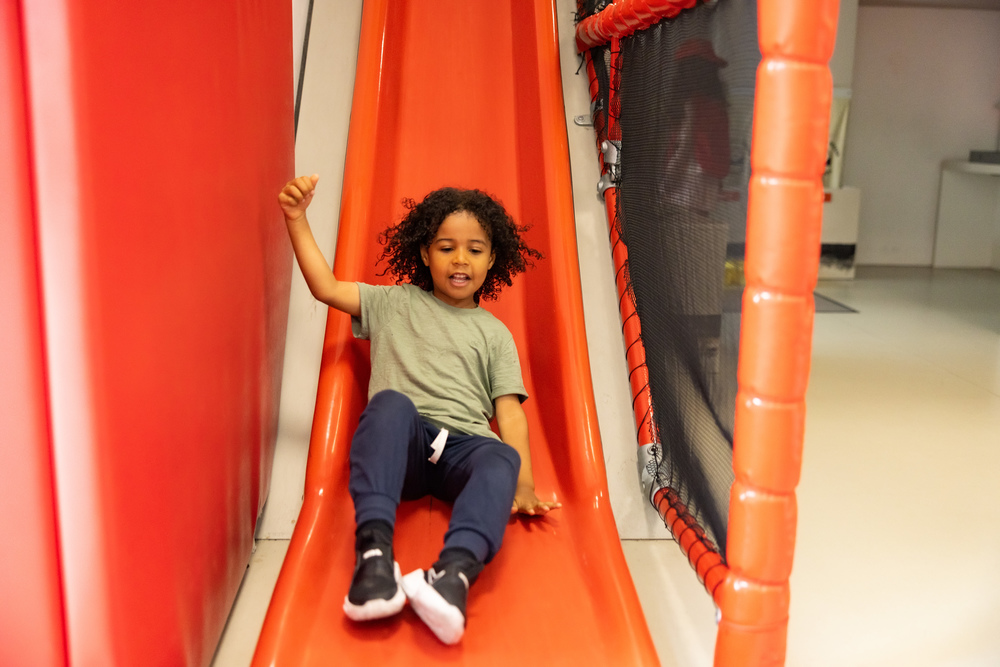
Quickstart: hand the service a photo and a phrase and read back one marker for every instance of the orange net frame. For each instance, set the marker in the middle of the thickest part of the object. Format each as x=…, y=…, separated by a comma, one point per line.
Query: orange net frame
x=791, y=117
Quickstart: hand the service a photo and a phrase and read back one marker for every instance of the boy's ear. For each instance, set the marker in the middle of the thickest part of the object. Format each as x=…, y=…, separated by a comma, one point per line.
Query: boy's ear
x=493, y=259
x=425, y=255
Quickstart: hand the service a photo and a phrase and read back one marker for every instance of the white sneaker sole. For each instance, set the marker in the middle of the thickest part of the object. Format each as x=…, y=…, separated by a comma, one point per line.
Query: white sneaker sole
x=444, y=619
x=374, y=609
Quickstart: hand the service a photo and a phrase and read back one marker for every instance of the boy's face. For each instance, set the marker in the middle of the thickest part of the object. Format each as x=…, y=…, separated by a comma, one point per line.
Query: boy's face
x=459, y=257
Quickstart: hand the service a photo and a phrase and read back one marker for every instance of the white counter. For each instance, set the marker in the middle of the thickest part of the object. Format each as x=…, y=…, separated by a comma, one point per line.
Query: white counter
x=968, y=221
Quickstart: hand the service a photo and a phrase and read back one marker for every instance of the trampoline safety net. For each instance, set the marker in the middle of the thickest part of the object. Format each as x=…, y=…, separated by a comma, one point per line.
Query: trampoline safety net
x=680, y=96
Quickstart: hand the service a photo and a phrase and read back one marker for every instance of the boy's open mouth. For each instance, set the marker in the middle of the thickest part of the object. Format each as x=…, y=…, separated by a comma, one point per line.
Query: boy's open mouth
x=459, y=279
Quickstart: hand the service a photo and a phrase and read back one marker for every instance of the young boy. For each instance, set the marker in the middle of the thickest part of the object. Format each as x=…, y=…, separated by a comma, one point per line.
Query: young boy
x=442, y=369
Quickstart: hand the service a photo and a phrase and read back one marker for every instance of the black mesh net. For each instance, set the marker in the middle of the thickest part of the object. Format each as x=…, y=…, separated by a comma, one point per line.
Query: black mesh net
x=601, y=57
x=686, y=106
x=587, y=8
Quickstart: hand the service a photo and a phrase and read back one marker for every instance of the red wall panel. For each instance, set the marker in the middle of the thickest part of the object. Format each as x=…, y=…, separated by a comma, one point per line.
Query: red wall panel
x=162, y=131
x=31, y=615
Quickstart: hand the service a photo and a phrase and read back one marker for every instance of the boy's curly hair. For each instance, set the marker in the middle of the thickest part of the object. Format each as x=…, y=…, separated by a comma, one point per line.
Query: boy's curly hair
x=417, y=229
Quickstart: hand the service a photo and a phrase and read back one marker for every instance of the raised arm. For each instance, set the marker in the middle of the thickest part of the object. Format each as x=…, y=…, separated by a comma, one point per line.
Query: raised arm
x=513, y=426
x=294, y=200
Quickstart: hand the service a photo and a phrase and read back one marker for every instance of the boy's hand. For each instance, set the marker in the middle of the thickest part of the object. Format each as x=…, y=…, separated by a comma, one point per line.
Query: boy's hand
x=295, y=196
x=526, y=502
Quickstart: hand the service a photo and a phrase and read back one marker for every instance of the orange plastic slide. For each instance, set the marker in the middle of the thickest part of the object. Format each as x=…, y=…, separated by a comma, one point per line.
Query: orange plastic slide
x=467, y=94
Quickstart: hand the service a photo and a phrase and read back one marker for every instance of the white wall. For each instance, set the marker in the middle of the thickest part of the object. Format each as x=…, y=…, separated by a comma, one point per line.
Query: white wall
x=842, y=62
x=320, y=147
x=925, y=82
x=300, y=16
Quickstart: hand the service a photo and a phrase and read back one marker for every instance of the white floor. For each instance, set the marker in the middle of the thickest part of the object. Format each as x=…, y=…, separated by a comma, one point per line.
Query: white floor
x=898, y=556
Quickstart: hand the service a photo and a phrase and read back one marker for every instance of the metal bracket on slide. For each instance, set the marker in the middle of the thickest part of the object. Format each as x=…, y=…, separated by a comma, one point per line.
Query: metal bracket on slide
x=612, y=172
x=584, y=121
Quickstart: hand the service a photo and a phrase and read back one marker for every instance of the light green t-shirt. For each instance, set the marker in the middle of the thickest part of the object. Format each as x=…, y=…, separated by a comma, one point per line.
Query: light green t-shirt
x=451, y=362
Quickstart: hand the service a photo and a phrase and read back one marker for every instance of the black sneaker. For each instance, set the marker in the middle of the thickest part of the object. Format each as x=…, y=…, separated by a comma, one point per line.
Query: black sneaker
x=375, y=591
x=439, y=596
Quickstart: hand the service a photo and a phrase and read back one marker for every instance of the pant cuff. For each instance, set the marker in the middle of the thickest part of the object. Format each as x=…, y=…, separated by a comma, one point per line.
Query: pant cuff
x=371, y=506
x=471, y=540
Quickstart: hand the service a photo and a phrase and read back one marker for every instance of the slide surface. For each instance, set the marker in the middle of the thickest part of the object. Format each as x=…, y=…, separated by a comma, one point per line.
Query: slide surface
x=466, y=94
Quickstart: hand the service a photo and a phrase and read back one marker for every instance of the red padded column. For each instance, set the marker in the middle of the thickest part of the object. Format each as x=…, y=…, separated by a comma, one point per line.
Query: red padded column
x=162, y=133
x=791, y=117
x=31, y=615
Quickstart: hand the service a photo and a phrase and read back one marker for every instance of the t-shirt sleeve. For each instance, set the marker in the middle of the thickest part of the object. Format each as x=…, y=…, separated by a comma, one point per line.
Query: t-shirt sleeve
x=505, y=371
x=378, y=305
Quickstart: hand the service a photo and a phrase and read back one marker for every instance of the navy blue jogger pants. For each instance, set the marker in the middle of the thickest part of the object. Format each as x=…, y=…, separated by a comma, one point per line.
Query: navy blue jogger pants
x=389, y=463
